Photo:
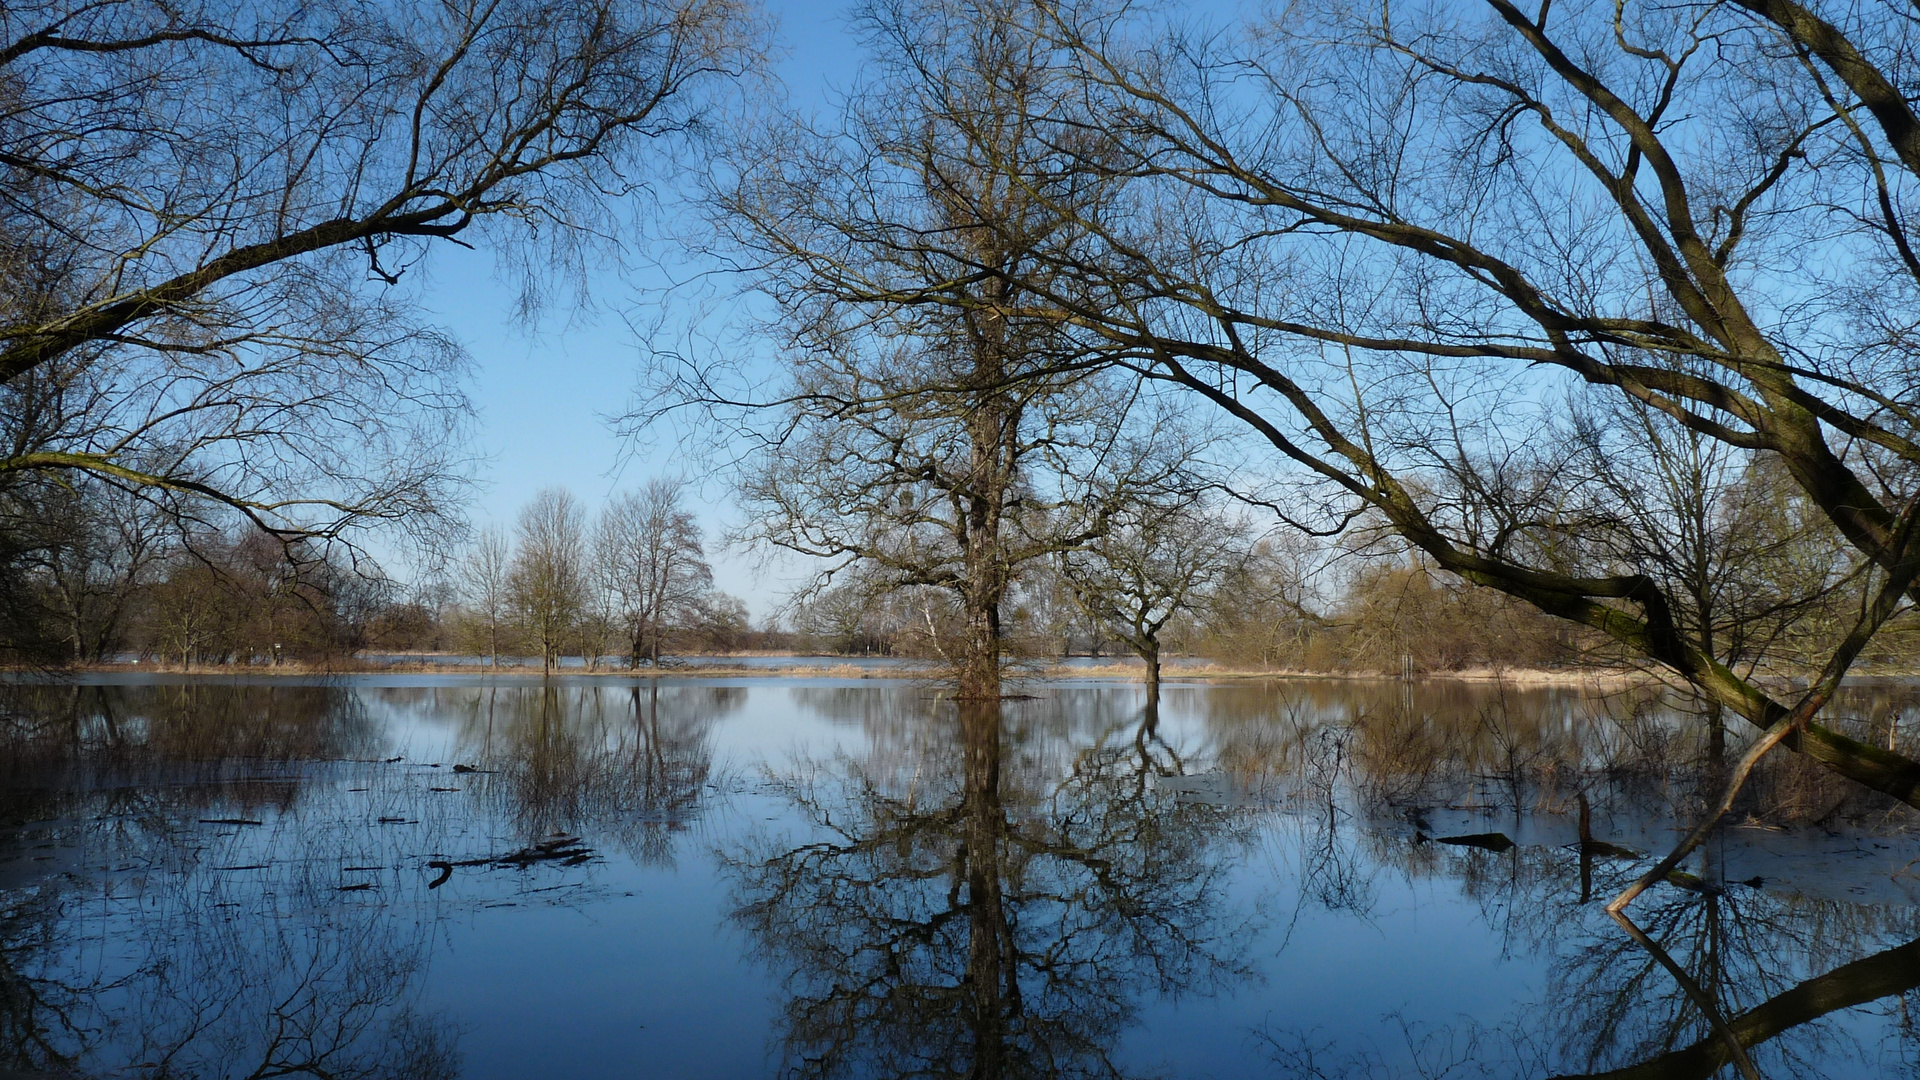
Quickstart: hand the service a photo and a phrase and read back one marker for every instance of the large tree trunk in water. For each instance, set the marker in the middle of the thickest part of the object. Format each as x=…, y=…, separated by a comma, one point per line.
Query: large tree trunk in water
x=979, y=674
x=992, y=985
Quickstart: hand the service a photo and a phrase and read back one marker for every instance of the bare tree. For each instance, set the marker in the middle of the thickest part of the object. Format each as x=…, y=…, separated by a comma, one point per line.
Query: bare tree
x=653, y=564
x=1271, y=608
x=194, y=613
x=1409, y=222
x=90, y=550
x=206, y=208
x=1378, y=237
x=548, y=577
x=486, y=586
x=1759, y=577
x=845, y=618
x=1159, y=559
x=598, y=624
x=933, y=433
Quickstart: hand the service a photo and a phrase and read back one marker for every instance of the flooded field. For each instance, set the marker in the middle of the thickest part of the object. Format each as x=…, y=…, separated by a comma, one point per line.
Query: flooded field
x=440, y=876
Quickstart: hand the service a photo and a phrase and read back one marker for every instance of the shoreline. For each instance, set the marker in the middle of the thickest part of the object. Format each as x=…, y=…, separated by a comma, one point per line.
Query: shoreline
x=864, y=668
x=829, y=667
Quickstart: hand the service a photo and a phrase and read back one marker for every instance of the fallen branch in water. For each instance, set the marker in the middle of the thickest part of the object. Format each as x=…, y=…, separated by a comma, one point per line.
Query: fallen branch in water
x=565, y=850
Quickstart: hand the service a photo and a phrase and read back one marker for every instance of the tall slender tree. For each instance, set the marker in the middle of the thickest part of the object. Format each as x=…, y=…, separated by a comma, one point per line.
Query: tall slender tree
x=486, y=587
x=548, y=577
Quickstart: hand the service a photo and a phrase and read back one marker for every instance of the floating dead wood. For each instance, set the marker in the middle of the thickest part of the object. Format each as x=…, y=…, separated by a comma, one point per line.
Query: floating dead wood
x=1486, y=841
x=565, y=850
x=229, y=821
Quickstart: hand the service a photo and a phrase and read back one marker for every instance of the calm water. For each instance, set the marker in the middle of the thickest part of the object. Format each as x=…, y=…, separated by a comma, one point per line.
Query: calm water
x=437, y=876
x=615, y=664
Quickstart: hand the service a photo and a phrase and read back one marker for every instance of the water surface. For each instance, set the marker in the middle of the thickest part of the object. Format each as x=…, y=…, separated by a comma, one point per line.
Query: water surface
x=448, y=875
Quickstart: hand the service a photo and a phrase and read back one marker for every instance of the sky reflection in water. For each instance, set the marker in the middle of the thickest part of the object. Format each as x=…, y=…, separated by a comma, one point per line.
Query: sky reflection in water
x=415, y=876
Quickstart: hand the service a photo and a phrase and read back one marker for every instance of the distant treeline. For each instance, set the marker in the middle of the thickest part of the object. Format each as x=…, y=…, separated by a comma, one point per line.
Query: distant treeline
x=97, y=575
x=628, y=584
x=94, y=573
x=1381, y=620
x=1285, y=604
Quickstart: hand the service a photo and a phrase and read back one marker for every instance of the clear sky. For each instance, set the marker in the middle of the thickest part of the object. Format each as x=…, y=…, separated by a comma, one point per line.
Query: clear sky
x=545, y=394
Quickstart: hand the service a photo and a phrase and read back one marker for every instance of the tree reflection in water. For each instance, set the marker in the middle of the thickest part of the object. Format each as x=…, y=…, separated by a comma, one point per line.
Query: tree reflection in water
x=226, y=880
x=949, y=918
x=990, y=891
x=632, y=764
x=1721, y=962
x=146, y=943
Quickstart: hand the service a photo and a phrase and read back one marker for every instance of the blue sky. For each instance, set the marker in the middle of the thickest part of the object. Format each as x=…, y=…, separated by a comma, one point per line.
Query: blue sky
x=545, y=393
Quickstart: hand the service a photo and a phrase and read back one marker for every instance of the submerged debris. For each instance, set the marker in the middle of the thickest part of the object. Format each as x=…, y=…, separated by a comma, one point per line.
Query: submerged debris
x=1487, y=841
x=1211, y=788
x=563, y=849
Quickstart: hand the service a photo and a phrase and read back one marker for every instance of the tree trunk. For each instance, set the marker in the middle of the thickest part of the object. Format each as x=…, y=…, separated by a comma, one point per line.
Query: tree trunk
x=979, y=674
x=989, y=427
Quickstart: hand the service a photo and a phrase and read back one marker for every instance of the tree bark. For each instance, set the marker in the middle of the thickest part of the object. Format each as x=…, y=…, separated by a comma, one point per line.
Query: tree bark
x=989, y=427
